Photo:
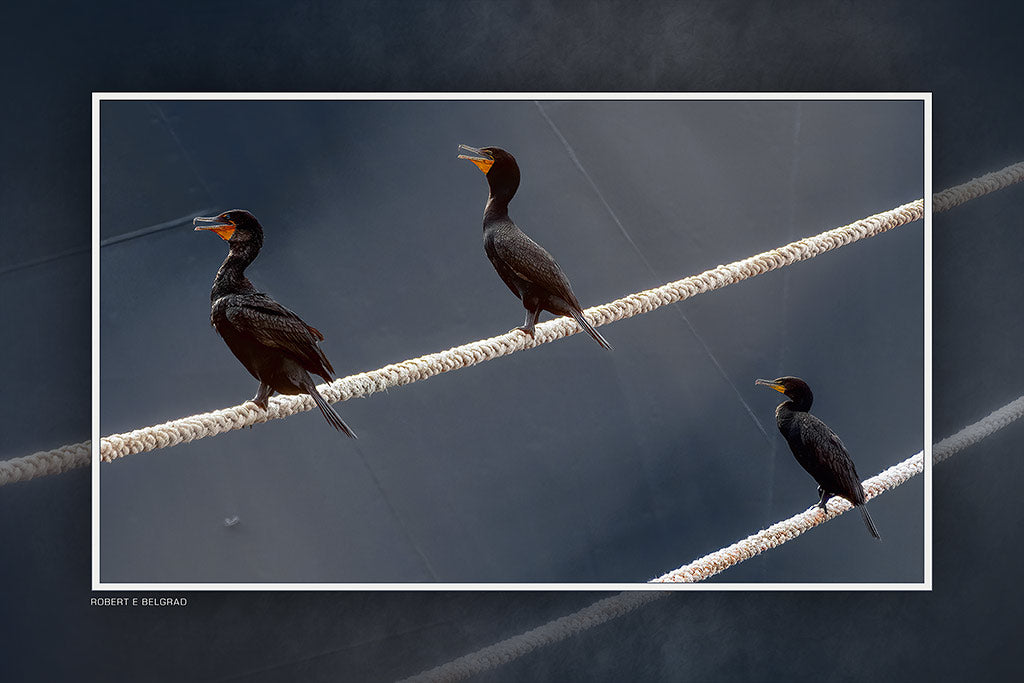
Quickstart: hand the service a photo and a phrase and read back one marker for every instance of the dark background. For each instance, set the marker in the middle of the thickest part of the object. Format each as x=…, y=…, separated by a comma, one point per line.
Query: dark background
x=54, y=56
x=564, y=464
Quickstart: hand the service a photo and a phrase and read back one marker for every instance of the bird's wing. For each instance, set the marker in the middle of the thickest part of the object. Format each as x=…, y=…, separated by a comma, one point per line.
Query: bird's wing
x=532, y=262
x=275, y=326
x=833, y=460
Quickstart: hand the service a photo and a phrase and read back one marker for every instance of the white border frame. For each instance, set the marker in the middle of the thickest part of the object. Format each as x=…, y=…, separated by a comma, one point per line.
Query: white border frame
x=925, y=97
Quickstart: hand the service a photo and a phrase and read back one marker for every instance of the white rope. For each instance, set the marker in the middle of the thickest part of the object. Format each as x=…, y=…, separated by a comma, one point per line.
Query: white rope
x=46, y=462
x=503, y=652
x=978, y=187
x=788, y=529
x=209, y=424
x=552, y=632
x=968, y=436
x=364, y=384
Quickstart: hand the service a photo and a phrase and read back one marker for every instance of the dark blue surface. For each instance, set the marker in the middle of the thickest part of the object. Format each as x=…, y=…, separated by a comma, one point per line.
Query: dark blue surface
x=562, y=464
x=55, y=54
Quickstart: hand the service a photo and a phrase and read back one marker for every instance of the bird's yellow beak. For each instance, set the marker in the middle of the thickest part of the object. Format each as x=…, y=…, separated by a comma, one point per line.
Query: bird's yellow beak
x=479, y=157
x=772, y=385
x=222, y=227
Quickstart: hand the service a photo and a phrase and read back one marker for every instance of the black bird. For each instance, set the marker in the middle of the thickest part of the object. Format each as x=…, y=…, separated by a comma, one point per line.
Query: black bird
x=273, y=344
x=817, y=448
x=525, y=266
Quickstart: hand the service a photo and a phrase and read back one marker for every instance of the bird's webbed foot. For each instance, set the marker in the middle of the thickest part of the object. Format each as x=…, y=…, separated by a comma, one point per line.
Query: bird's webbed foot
x=823, y=499
x=262, y=396
x=530, y=322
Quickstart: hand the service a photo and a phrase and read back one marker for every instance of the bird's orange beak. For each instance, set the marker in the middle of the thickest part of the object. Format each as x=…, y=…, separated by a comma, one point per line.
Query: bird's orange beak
x=479, y=157
x=221, y=226
x=772, y=385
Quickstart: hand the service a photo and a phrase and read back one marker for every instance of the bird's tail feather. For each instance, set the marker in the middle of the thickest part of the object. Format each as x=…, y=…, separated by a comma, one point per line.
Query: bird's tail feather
x=330, y=414
x=589, y=329
x=868, y=522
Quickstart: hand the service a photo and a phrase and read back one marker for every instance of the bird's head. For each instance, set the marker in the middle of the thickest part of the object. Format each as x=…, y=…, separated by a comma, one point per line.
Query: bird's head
x=236, y=226
x=499, y=166
x=794, y=388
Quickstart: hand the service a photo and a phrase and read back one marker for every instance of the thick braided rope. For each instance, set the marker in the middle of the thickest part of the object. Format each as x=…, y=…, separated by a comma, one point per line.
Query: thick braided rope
x=364, y=384
x=503, y=652
x=506, y=651
x=968, y=436
x=46, y=462
x=978, y=187
x=209, y=424
x=787, y=530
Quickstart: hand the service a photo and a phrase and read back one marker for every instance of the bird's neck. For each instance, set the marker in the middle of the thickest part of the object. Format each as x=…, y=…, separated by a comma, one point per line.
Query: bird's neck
x=231, y=275
x=788, y=408
x=497, y=208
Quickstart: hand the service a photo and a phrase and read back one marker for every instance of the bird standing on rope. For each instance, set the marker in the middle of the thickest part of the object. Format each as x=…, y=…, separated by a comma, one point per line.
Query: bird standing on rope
x=817, y=448
x=526, y=267
x=273, y=344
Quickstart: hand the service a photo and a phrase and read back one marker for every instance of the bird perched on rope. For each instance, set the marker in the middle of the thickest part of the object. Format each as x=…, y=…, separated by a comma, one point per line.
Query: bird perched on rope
x=526, y=267
x=817, y=448
x=274, y=344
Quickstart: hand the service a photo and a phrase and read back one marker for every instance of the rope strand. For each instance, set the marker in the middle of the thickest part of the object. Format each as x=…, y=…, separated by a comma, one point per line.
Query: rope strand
x=788, y=529
x=194, y=427
x=515, y=647
x=364, y=384
x=508, y=650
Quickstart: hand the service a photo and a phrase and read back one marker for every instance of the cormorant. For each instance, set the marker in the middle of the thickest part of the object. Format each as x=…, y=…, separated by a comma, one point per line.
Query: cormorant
x=526, y=267
x=273, y=344
x=817, y=448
